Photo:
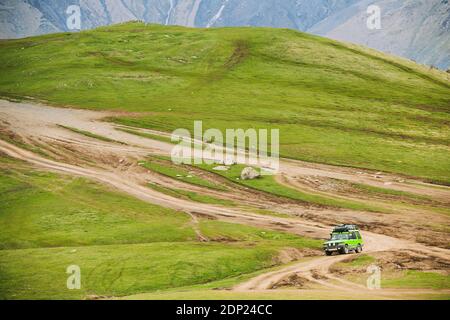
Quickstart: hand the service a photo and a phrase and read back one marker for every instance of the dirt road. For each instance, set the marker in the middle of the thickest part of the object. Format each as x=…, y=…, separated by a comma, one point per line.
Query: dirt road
x=39, y=123
x=37, y=120
x=309, y=269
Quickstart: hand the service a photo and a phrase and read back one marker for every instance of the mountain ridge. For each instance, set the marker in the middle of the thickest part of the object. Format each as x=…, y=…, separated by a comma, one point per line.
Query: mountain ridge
x=424, y=38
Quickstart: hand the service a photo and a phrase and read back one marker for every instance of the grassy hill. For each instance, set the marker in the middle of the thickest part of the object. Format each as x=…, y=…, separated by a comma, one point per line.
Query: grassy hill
x=333, y=103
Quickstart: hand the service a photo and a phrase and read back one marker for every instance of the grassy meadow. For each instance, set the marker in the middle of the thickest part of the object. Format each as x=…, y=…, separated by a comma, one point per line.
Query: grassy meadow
x=333, y=103
x=123, y=246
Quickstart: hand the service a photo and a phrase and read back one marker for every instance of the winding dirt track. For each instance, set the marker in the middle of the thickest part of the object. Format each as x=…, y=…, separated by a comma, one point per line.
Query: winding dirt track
x=38, y=121
x=374, y=242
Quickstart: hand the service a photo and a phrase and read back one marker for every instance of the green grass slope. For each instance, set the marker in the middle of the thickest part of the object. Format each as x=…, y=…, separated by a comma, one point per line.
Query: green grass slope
x=123, y=246
x=333, y=103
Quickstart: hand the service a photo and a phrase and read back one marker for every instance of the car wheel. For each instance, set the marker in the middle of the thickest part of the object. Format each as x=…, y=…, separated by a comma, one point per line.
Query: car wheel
x=358, y=249
x=345, y=249
x=328, y=253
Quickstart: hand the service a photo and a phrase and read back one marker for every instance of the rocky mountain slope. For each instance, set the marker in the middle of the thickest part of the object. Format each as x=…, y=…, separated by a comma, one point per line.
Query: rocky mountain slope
x=415, y=29
x=419, y=30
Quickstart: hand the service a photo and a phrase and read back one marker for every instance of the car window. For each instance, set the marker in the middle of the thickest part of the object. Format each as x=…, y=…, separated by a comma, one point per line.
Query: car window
x=339, y=236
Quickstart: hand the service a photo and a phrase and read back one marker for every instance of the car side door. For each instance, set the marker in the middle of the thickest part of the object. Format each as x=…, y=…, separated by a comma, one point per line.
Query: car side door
x=360, y=240
x=354, y=239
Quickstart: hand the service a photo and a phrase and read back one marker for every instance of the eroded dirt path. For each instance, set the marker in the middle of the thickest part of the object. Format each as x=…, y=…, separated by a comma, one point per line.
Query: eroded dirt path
x=123, y=183
x=318, y=269
x=309, y=269
x=39, y=124
x=37, y=120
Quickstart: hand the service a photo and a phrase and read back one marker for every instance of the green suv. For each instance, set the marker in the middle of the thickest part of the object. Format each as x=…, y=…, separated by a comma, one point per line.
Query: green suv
x=344, y=238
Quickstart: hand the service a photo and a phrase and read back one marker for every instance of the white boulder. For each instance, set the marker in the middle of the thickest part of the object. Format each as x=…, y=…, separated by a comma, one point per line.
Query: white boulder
x=249, y=174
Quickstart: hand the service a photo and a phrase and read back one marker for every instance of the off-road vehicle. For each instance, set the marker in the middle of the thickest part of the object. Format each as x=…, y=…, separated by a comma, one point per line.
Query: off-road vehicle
x=343, y=239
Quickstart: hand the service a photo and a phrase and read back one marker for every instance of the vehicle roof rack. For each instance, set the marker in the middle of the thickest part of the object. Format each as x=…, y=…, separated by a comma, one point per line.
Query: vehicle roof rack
x=345, y=228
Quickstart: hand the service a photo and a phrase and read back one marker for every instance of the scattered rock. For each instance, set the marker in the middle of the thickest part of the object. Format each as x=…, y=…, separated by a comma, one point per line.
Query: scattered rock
x=221, y=168
x=229, y=162
x=249, y=174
